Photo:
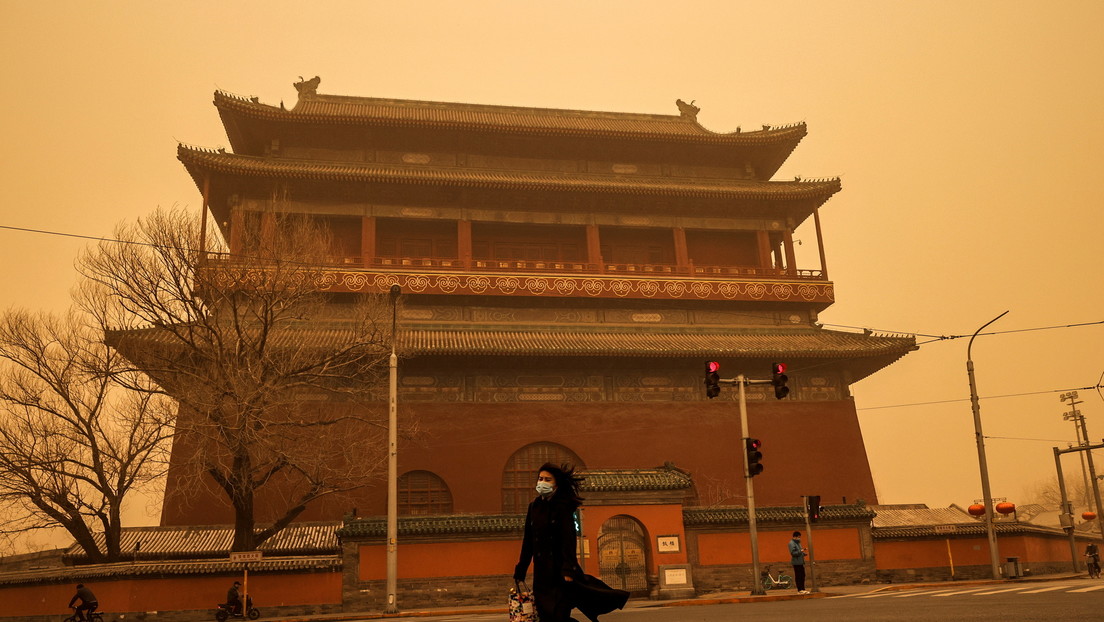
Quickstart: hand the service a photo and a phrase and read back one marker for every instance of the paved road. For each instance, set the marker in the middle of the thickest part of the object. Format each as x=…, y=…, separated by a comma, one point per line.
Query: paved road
x=1071, y=599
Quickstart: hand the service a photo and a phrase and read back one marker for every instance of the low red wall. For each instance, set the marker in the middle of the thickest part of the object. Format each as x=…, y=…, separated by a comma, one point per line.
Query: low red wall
x=972, y=551
x=715, y=549
x=173, y=594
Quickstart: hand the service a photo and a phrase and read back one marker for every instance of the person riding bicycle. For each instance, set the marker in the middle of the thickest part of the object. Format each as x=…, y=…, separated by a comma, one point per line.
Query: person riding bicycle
x=1093, y=554
x=88, y=602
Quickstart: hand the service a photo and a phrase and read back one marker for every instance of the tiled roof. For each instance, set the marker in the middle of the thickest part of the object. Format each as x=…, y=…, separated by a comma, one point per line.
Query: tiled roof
x=344, y=110
x=729, y=515
x=94, y=572
x=917, y=517
x=435, y=525
x=975, y=529
x=596, y=341
x=198, y=160
x=608, y=480
x=215, y=541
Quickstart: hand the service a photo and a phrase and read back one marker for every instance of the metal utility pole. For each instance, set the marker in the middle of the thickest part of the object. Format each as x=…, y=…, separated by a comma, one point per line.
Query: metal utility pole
x=994, y=554
x=392, y=605
x=1087, y=470
x=756, y=584
x=1066, y=515
x=1086, y=451
x=811, y=559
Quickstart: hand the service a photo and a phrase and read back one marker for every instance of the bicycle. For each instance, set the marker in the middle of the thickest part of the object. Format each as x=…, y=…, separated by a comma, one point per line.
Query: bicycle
x=783, y=581
x=95, y=616
x=1093, y=567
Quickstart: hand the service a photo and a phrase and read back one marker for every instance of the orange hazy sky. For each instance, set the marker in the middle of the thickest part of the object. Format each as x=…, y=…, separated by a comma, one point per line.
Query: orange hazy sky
x=968, y=135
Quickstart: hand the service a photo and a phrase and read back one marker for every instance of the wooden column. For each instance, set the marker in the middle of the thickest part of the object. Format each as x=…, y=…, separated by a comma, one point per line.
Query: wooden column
x=788, y=245
x=682, y=255
x=763, y=237
x=594, y=247
x=464, y=243
x=203, y=223
x=237, y=225
x=820, y=244
x=367, y=240
x=268, y=227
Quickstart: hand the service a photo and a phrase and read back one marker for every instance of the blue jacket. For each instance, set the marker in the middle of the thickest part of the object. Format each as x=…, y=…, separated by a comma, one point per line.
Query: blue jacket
x=797, y=556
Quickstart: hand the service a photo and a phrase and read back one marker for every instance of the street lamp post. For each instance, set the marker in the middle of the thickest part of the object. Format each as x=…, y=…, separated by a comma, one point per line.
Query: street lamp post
x=393, y=464
x=994, y=554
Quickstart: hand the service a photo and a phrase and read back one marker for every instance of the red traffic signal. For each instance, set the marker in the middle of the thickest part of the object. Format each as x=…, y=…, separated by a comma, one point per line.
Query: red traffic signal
x=712, y=379
x=752, y=445
x=779, y=379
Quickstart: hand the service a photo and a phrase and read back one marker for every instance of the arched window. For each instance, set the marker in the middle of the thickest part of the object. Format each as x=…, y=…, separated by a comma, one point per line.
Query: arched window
x=520, y=474
x=422, y=493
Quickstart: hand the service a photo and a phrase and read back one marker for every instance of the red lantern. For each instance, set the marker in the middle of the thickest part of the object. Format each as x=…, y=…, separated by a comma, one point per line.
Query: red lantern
x=1006, y=508
x=1088, y=515
x=976, y=509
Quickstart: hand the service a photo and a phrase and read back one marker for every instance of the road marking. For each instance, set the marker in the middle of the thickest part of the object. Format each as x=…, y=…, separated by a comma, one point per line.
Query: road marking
x=1010, y=589
x=1046, y=589
x=1088, y=589
x=878, y=595
x=921, y=593
x=960, y=592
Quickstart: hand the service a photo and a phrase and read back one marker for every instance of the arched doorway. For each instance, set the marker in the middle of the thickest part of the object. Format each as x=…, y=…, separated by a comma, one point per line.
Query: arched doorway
x=622, y=554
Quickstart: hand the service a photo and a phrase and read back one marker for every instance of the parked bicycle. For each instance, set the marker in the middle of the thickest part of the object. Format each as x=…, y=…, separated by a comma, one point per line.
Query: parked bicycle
x=783, y=581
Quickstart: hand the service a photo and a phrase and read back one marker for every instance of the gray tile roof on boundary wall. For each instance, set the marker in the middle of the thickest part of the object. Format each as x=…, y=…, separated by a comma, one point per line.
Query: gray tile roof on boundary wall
x=214, y=541
x=728, y=515
x=99, y=572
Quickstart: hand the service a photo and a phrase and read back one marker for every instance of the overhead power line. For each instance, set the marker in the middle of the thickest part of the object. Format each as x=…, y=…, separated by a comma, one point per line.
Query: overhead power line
x=989, y=397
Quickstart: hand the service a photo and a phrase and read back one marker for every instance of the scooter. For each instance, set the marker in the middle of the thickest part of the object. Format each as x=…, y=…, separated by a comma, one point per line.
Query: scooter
x=225, y=611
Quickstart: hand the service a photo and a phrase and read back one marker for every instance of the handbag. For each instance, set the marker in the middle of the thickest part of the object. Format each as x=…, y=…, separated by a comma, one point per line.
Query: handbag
x=523, y=607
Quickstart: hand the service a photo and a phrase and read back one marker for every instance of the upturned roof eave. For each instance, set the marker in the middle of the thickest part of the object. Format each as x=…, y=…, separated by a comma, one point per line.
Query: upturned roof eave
x=198, y=160
x=334, y=110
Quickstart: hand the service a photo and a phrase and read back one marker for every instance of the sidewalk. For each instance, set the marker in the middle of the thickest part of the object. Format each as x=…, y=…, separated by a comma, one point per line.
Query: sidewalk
x=714, y=598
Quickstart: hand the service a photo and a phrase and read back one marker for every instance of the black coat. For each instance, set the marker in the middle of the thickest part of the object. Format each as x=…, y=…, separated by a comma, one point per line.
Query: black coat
x=549, y=543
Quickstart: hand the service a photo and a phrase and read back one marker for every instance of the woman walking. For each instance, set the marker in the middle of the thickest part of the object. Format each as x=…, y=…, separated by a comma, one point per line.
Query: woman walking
x=549, y=543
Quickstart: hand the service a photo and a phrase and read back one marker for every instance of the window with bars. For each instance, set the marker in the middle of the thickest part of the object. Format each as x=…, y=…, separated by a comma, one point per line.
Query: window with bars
x=520, y=475
x=422, y=493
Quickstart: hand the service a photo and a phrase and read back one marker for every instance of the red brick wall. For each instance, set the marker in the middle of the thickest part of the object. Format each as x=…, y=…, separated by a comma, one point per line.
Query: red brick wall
x=174, y=594
x=735, y=548
x=806, y=446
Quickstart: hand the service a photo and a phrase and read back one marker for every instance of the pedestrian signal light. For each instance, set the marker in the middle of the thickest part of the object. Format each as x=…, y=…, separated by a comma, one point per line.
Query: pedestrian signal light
x=779, y=379
x=812, y=506
x=712, y=379
x=754, y=456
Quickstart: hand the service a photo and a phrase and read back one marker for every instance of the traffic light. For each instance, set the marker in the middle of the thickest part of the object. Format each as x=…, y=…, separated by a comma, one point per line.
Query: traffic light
x=712, y=379
x=778, y=379
x=812, y=506
x=754, y=456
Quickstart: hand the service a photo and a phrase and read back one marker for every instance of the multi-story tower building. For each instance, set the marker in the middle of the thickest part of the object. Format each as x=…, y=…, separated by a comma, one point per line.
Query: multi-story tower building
x=566, y=275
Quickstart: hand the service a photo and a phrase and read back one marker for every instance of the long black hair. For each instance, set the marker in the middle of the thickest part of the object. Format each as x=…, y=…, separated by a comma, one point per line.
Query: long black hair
x=567, y=483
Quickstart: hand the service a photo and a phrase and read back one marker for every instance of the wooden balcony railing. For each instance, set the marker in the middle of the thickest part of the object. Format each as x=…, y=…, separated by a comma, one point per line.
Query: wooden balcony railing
x=582, y=267
x=565, y=267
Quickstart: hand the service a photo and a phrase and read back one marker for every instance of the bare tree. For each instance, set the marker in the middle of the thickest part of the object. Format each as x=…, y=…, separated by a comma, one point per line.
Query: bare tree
x=73, y=441
x=278, y=381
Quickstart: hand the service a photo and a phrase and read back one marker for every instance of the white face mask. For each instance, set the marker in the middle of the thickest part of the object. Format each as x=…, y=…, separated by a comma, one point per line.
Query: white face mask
x=544, y=488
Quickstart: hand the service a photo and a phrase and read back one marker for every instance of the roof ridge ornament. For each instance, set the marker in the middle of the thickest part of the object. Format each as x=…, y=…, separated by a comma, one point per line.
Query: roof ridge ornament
x=307, y=88
x=688, y=111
